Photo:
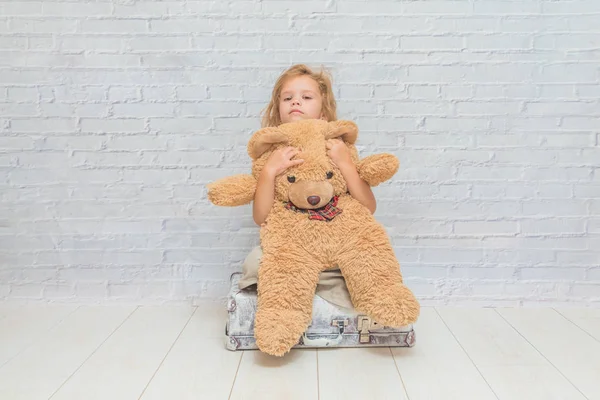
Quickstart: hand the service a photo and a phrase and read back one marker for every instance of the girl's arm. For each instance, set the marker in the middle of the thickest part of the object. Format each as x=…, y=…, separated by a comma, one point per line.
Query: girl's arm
x=359, y=189
x=264, y=196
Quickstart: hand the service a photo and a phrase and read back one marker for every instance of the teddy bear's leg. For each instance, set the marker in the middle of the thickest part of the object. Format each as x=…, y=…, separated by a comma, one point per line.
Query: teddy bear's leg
x=372, y=274
x=286, y=287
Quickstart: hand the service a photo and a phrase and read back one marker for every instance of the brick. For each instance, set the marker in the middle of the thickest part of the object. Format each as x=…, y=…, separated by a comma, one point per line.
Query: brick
x=144, y=110
x=585, y=72
x=503, y=8
x=160, y=43
x=541, y=273
x=113, y=26
x=503, y=41
x=18, y=110
x=486, y=227
x=552, y=226
x=76, y=93
x=586, y=290
x=306, y=7
x=564, y=174
x=214, y=108
x=26, y=290
x=352, y=42
x=554, y=208
x=579, y=123
x=430, y=74
x=43, y=125
x=576, y=140
x=523, y=156
x=561, y=108
x=59, y=291
x=121, y=125
x=452, y=256
x=417, y=108
x=76, y=9
x=41, y=25
x=23, y=94
x=155, y=176
x=201, y=92
x=577, y=258
x=193, y=158
x=489, y=174
x=99, y=43
x=180, y=125
x=12, y=42
x=487, y=108
x=436, y=7
x=152, y=8
x=91, y=290
x=482, y=273
x=184, y=25
x=567, y=41
x=20, y=9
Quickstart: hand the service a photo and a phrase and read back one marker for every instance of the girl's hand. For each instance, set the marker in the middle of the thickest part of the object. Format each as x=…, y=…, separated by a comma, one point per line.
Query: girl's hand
x=281, y=160
x=338, y=152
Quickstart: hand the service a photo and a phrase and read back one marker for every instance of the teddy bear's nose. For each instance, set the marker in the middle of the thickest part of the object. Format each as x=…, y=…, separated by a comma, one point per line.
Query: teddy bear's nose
x=313, y=200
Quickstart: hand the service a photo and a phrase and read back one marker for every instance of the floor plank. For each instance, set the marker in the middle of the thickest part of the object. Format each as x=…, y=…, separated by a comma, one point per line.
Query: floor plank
x=122, y=367
x=39, y=370
x=291, y=377
x=587, y=319
x=513, y=368
x=23, y=325
x=199, y=366
x=355, y=373
x=437, y=367
x=568, y=348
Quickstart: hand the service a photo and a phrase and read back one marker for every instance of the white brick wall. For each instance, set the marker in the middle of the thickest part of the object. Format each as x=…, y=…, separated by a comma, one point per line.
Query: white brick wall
x=115, y=114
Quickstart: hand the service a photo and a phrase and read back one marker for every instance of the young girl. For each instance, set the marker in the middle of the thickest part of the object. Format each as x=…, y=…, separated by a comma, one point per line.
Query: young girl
x=301, y=93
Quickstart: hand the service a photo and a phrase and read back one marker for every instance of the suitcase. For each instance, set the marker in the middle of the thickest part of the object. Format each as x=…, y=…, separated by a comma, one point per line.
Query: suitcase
x=331, y=326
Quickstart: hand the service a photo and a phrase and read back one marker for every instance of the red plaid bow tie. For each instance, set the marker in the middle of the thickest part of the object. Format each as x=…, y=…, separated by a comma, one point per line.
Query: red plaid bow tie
x=325, y=213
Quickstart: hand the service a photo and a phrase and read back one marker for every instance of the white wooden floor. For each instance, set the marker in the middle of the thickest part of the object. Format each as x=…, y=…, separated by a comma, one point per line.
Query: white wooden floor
x=117, y=352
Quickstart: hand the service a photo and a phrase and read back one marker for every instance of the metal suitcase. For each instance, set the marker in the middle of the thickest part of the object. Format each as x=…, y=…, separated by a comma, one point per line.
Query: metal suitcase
x=331, y=326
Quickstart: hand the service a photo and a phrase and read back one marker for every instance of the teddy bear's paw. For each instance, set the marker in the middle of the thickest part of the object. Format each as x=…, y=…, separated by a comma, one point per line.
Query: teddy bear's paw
x=394, y=307
x=277, y=331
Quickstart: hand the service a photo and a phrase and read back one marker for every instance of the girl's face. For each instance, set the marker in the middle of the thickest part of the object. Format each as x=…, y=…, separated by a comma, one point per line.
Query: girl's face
x=300, y=98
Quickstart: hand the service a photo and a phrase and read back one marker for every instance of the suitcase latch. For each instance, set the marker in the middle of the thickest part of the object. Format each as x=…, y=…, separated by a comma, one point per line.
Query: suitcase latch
x=341, y=324
x=365, y=324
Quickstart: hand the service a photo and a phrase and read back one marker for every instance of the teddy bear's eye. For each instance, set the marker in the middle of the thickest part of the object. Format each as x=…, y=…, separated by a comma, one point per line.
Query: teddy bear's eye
x=291, y=179
x=329, y=175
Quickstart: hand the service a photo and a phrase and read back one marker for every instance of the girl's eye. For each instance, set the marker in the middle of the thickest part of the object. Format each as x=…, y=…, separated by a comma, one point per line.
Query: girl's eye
x=287, y=99
x=329, y=175
x=291, y=179
x=307, y=98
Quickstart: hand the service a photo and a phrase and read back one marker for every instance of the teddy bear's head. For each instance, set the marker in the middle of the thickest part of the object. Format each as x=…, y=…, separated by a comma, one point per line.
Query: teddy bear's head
x=313, y=183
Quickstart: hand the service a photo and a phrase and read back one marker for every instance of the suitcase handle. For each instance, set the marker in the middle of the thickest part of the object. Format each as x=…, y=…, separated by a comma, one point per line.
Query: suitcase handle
x=325, y=340
x=321, y=340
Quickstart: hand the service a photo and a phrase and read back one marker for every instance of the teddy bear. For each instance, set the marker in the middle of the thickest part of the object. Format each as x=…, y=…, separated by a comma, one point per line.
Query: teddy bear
x=314, y=225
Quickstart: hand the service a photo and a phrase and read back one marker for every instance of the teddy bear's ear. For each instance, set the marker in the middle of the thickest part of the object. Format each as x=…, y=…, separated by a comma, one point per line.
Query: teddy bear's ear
x=263, y=139
x=345, y=130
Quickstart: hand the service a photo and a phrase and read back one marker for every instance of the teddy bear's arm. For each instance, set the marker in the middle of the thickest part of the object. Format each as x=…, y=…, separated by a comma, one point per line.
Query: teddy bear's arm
x=235, y=190
x=378, y=168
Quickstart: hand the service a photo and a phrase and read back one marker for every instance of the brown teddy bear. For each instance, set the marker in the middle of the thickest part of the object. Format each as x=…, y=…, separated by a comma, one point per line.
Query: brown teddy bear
x=315, y=225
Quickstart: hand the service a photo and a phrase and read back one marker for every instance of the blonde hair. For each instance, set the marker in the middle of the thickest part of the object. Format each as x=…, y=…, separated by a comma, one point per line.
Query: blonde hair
x=323, y=78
